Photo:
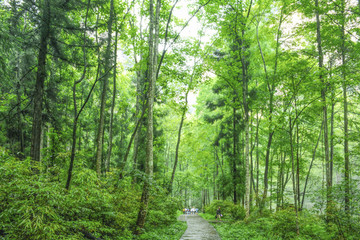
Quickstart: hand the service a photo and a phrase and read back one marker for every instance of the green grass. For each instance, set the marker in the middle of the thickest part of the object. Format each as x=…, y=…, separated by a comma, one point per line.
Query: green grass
x=207, y=216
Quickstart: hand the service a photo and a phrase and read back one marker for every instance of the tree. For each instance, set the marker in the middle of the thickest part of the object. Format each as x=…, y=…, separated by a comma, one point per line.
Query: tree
x=152, y=66
x=44, y=29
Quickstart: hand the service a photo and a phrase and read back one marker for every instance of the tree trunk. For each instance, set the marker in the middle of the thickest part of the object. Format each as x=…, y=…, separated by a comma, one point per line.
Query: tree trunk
x=245, y=64
x=179, y=132
x=153, y=47
x=105, y=80
x=40, y=79
x=346, y=125
x=311, y=164
x=234, y=170
x=140, y=96
x=177, y=146
x=293, y=175
x=76, y=114
x=108, y=157
x=271, y=88
x=133, y=136
x=297, y=161
x=323, y=97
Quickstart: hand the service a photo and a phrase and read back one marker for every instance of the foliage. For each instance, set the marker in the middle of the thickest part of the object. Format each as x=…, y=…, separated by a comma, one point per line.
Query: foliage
x=279, y=225
x=163, y=211
x=229, y=210
x=36, y=206
x=171, y=232
x=254, y=69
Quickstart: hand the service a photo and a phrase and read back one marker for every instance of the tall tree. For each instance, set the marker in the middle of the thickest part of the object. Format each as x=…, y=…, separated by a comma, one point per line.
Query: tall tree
x=346, y=121
x=105, y=83
x=152, y=66
x=76, y=113
x=324, y=104
x=44, y=29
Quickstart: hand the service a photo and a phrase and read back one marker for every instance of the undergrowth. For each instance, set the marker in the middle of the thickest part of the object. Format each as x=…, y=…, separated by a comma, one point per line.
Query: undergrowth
x=34, y=204
x=280, y=225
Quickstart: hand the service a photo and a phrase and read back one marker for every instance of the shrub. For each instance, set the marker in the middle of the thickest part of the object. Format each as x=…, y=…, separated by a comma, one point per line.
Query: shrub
x=163, y=209
x=228, y=209
x=37, y=206
x=284, y=223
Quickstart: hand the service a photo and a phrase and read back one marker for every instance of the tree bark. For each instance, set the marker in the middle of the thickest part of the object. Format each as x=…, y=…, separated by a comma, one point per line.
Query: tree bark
x=323, y=97
x=293, y=175
x=108, y=157
x=244, y=64
x=152, y=65
x=346, y=125
x=40, y=79
x=76, y=114
x=105, y=80
x=140, y=97
x=234, y=170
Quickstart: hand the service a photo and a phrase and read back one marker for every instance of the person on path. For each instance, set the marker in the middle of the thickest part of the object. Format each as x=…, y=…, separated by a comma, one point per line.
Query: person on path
x=218, y=214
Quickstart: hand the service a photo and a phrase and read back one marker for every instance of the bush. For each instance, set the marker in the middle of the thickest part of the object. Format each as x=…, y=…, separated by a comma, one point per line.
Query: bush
x=284, y=223
x=163, y=210
x=279, y=225
x=170, y=232
x=228, y=209
x=37, y=206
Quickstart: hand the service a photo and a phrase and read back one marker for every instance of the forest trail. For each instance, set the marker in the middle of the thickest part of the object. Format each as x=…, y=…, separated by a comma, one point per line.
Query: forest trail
x=198, y=228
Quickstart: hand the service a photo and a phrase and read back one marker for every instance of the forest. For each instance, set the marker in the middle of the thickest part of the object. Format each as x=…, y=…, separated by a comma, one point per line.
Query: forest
x=115, y=115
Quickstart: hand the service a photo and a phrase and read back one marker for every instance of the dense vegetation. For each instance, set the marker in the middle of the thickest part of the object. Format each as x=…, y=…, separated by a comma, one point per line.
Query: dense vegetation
x=101, y=137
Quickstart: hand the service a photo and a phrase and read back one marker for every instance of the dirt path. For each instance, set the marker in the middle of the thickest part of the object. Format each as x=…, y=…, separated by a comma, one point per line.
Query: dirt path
x=198, y=229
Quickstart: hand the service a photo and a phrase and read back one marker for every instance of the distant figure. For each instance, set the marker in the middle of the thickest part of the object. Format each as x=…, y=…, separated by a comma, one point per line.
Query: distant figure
x=218, y=214
x=197, y=210
x=183, y=210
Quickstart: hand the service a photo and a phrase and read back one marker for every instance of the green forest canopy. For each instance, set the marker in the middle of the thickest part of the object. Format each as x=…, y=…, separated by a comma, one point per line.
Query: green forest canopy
x=112, y=111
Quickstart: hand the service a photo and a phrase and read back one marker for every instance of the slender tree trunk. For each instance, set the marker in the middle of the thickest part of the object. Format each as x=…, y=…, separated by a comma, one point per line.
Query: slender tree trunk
x=179, y=132
x=279, y=181
x=247, y=163
x=332, y=127
x=108, y=157
x=271, y=179
x=346, y=125
x=153, y=47
x=271, y=87
x=234, y=170
x=76, y=114
x=323, y=97
x=311, y=164
x=297, y=163
x=20, y=136
x=244, y=64
x=140, y=98
x=40, y=79
x=177, y=147
x=138, y=127
x=293, y=175
x=136, y=130
x=105, y=83
x=257, y=161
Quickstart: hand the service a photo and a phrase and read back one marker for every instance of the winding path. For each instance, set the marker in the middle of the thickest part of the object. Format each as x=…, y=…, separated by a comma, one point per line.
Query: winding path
x=198, y=228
